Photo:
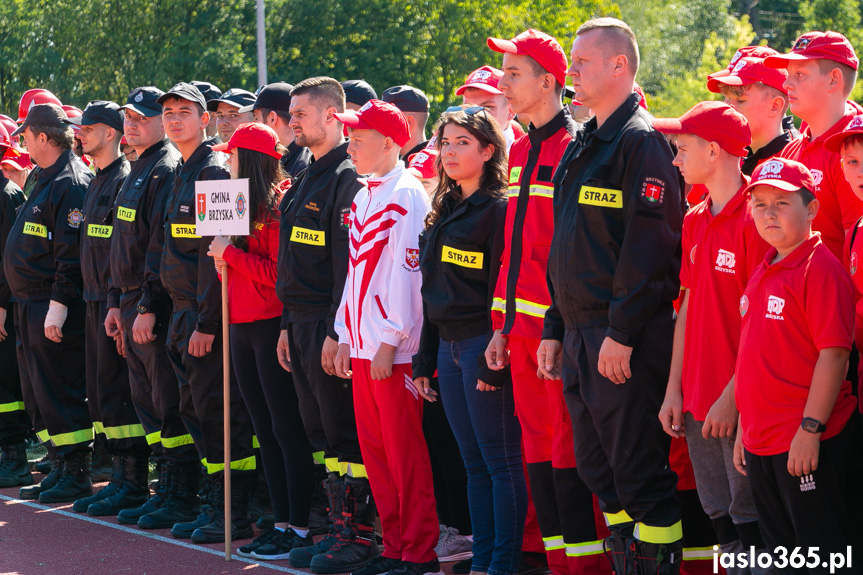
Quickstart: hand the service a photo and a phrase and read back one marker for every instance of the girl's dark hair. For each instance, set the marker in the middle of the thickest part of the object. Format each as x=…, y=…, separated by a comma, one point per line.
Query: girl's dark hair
x=264, y=173
x=493, y=181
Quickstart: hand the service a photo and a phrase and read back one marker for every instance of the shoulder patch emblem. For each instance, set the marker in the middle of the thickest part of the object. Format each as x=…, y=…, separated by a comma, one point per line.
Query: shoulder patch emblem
x=744, y=305
x=345, y=218
x=412, y=258
x=75, y=218
x=653, y=191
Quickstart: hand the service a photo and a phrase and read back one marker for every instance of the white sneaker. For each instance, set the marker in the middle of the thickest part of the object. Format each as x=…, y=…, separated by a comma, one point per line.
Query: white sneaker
x=452, y=546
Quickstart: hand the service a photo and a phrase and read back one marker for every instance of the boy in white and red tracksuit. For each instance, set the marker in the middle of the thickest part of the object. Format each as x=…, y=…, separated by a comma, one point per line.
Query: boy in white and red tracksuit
x=378, y=324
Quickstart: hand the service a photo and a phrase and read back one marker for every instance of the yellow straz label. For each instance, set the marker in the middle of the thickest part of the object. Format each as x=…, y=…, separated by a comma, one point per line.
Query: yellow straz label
x=32, y=229
x=514, y=174
x=311, y=237
x=460, y=258
x=97, y=231
x=603, y=197
x=126, y=214
x=183, y=231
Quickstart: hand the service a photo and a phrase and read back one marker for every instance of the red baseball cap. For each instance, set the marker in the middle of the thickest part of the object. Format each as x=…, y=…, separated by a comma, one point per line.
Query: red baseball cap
x=20, y=163
x=817, y=46
x=6, y=147
x=381, y=116
x=783, y=174
x=485, y=78
x=713, y=121
x=422, y=164
x=252, y=136
x=749, y=71
x=547, y=51
x=834, y=142
x=745, y=52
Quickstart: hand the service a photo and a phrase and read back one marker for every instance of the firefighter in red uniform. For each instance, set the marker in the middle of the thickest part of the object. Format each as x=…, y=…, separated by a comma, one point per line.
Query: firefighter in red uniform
x=534, y=66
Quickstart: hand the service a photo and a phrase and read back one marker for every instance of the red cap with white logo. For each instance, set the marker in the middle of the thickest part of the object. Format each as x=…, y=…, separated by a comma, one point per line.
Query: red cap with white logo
x=422, y=164
x=485, y=79
x=381, y=116
x=783, y=174
x=713, y=121
x=834, y=142
x=818, y=46
x=745, y=52
x=749, y=71
x=547, y=51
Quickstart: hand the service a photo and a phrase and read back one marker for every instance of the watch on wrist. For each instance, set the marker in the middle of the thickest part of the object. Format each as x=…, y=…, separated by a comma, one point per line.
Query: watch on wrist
x=142, y=309
x=813, y=425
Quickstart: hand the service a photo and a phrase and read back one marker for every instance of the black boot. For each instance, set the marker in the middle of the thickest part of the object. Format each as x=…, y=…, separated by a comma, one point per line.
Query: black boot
x=655, y=558
x=75, y=482
x=333, y=487
x=81, y=505
x=182, y=503
x=616, y=547
x=356, y=545
x=102, y=466
x=14, y=470
x=210, y=495
x=242, y=483
x=47, y=482
x=131, y=516
x=132, y=491
x=259, y=500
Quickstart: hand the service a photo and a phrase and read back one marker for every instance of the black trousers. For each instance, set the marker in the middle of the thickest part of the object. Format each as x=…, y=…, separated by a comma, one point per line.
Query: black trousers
x=202, y=398
x=153, y=384
x=52, y=377
x=14, y=423
x=109, y=396
x=621, y=450
x=326, y=401
x=809, y=511
x=269, y=394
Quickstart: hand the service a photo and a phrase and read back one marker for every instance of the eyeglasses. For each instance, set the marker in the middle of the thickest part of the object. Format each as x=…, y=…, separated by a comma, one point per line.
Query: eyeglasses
x=469, y=111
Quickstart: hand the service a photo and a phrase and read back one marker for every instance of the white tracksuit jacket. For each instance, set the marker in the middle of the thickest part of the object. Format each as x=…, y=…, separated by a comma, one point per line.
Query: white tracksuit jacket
x=381, y=302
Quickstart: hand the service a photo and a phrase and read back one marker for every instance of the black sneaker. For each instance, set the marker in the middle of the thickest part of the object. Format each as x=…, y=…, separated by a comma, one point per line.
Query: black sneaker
x=462, y=567
x=280, y=547
x=265, y=537
x=379, y=565
x=410, y=568
x=533, y=563
x=302, y=556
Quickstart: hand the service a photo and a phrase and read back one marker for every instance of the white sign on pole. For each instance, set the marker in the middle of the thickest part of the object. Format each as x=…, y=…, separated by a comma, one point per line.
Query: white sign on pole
x=222, y=207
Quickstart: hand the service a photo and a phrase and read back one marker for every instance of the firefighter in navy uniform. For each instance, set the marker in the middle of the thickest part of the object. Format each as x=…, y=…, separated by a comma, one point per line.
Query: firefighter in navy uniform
x=14, y=424
x=194, y=337
x=42, y=268
x=138, y=306
x=108, y=394
x=312, y=268
x=613, y=274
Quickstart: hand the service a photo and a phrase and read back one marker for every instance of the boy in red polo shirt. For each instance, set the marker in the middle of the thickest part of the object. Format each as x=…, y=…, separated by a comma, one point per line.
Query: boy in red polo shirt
x=721, y=246
x=378, y=323
x=822, y=71
x=795, y=405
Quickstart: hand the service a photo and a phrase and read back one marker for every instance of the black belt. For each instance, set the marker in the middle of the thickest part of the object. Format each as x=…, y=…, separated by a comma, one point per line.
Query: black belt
x=129, y=288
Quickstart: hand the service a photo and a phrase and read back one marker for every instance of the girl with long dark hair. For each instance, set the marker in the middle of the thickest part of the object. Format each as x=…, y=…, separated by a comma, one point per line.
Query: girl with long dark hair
x=254, y=312
x=460, y=253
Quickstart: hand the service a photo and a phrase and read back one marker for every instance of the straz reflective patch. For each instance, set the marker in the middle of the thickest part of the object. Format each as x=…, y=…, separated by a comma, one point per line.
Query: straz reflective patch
x=98, y=231
x=603, y=197
x=183, y=231
x=310, y=237
x=514, y=174
x=460, y=258
x=32, y=229
x=125, y=214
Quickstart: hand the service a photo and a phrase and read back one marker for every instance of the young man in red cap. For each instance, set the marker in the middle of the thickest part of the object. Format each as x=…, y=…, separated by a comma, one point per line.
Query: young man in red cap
x=534, y=66
x=757, y=92
x=613, y=273
x=822, y=71
x=379, y=323
x=721, y=247
x=481, y=89
x=797, y=426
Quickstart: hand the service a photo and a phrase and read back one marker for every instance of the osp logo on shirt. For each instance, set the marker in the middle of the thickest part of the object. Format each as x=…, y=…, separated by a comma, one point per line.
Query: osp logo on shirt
x=724, y=262
x=775, y=305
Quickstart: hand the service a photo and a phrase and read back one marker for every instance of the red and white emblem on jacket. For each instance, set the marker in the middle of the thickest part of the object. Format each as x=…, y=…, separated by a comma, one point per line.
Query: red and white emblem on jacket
x=412, y=257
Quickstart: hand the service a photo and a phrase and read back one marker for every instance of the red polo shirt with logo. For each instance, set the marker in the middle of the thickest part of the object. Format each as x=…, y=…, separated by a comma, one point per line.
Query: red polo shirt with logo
x=840, y=208
x=719, y=254
x=791, y=310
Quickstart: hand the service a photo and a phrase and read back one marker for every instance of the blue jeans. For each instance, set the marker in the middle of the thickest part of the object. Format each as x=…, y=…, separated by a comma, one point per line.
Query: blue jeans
x=489, y=439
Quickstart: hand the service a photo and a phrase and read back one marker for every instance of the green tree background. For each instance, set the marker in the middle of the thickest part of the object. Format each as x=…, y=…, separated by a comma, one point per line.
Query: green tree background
x=102, y=49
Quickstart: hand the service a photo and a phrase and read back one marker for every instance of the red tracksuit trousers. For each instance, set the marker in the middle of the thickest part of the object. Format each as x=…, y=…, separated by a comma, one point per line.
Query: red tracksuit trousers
x=571, y=524
x=389, y=425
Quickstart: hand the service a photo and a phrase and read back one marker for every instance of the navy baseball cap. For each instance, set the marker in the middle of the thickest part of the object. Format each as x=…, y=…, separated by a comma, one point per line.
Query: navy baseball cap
x=234, y=97
x=275, y=96
x=185, y=91
x=209, y=91
x=99, y=112
x=358, y=92
x=43, y=115
x=144, y=101
x=406, y=99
